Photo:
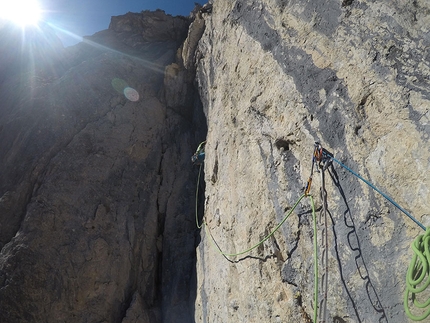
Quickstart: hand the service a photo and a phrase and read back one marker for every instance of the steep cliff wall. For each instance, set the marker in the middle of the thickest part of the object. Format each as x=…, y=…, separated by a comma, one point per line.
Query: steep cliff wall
x=275, y=76
x=95, y=197
x=97, y=191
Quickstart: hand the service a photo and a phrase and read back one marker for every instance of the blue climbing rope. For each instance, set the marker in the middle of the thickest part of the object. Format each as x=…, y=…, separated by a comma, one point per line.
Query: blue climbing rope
x=419, y=268
x=417, y=277
x=389, y=199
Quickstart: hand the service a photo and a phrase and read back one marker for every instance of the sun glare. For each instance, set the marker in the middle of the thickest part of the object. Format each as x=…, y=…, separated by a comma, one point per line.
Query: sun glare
x=21, y=12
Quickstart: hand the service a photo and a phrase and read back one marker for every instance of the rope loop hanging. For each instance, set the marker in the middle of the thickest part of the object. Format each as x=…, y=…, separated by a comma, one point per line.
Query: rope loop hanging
x=200, y=161
x=418, y=274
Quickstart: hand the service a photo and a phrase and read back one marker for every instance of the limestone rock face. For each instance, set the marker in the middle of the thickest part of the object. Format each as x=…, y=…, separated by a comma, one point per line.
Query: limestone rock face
x=275, y=76
x=151, y=26
x=95, y=193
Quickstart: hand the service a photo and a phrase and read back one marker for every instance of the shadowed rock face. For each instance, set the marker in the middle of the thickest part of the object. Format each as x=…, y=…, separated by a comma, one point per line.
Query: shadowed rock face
x=275, y=76
x=151, y=26
x=97, y=191
x=96, y=186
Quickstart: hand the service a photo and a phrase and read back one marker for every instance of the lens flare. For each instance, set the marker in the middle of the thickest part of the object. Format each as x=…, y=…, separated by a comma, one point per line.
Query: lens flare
x=119, y=85
x=122, y=87
x=131, y=94
x=21, y=12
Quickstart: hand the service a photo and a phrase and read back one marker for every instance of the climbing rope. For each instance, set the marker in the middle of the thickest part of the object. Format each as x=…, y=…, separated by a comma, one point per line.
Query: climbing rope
x=261, y=241
x=321, y=161
x=315, y=260
x=418, y=276
x=418, y=270
x=389, y=199
x=225, y=254
x=199, y=226
x=216, y=246
x=324, y=248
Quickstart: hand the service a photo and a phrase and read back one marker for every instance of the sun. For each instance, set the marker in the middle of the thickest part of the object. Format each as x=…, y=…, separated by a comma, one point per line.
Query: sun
x=21, y=12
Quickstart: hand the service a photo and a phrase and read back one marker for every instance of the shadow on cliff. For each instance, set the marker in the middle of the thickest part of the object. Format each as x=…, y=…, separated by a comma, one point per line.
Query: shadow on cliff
x=360, y=264
x=87, y=173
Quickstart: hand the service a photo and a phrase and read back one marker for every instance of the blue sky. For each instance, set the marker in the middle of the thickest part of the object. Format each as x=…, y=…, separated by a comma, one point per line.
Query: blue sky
x=85, y=17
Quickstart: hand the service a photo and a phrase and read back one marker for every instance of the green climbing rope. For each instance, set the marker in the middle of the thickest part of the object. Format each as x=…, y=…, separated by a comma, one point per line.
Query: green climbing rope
x=199, y=226
x=260, y=242
x=215, y=245
x=314, y=217
x=418, y=276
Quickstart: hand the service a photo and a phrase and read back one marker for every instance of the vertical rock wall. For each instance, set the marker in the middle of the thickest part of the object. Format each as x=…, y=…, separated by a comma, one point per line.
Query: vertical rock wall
x=95, y=193
x=275, y=76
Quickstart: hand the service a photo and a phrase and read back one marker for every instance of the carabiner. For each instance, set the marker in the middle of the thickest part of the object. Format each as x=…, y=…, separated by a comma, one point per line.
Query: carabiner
x=308, y=186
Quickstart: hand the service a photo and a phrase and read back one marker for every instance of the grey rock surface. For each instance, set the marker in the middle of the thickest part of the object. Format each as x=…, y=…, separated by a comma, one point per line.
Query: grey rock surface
x=275, y=76
x=95, y=193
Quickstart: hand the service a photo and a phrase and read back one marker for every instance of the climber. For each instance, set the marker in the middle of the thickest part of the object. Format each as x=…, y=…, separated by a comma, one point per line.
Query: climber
x=199, y=156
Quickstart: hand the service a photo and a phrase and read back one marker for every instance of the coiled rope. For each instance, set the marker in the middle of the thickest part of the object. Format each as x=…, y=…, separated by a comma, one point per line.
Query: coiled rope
x=418, y=274
x=417, y=277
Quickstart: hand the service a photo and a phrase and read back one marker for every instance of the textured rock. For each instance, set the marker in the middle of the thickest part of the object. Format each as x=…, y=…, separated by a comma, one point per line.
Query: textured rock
x=95, y=193
x=150, y=26
x=275, y=76
x=18, y=56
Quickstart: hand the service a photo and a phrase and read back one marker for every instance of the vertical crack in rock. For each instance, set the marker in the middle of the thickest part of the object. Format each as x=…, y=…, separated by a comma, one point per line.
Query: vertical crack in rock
x=187, y=126
x=109, y=175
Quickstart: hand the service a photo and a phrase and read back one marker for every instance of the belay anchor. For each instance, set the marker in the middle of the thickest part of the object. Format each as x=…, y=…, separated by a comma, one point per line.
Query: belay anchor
x=322, y=159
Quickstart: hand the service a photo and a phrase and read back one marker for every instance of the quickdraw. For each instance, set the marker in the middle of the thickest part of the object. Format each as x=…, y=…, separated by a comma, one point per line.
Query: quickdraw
x=417, y=279
x=418, y=273
x=321, y=158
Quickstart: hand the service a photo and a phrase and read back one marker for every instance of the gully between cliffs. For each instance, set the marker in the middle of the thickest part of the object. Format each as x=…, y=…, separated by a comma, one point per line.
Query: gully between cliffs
x=96, y=183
